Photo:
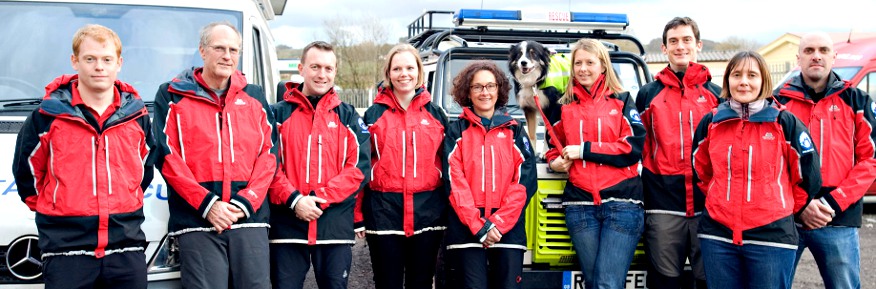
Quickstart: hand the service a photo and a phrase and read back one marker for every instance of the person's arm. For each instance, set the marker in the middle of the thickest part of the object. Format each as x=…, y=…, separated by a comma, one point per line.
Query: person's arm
x=624, y=151
x=147, y=151
x=264, y=169
x=701, y=160
x=804, y=168
x=861, y=176
x=461, y=199
x=356, y=149
x=170, y=161
x=523, y=185
x=30, y=160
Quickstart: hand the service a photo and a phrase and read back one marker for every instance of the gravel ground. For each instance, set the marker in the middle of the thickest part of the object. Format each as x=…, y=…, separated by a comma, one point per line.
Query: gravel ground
x=807, y=275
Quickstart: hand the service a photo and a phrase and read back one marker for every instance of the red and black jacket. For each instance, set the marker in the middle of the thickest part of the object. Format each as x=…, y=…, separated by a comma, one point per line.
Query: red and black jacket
x=211, y=150
x=610, y=132
x=84, y=179
x=490, y=176
x=671, y=109
x=756, y=175
x=842, y=128
x=324, y=151
x=405, y=195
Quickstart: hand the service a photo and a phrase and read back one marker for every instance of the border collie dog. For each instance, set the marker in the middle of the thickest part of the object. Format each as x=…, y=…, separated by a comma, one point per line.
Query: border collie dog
x=528, y=62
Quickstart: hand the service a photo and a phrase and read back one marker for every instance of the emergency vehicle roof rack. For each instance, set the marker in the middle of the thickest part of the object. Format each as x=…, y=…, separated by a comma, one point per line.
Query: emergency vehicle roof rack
x=510, y=26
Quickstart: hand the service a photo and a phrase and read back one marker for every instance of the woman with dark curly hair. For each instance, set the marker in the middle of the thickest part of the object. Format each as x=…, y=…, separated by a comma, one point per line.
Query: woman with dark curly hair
x=491, y=176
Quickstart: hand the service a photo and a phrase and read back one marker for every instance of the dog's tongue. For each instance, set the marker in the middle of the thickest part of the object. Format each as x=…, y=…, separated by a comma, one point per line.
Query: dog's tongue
x=526, y=70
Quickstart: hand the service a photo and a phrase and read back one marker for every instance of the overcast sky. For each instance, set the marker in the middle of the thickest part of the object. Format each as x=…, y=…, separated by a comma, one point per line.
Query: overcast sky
x=761, y=20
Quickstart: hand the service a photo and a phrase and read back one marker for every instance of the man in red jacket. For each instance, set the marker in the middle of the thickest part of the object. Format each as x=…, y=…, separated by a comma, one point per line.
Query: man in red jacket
x=216, y=154
x=82, y=163
x=841, y=120
x=324, y=156
x=671, y=108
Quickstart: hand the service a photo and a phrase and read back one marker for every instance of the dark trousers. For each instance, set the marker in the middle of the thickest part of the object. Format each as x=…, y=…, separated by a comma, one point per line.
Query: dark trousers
x=236, y=258
x=290, y=263
x=119, y=270
x=478, y=268
x=404, y=262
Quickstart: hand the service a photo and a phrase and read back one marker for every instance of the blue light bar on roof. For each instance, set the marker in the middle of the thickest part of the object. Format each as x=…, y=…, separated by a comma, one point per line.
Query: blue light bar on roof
x=541, y=20
x=489, y=14
x=600, y=17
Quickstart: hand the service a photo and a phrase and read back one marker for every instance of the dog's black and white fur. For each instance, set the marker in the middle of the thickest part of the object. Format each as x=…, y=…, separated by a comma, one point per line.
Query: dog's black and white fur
x=528, y=62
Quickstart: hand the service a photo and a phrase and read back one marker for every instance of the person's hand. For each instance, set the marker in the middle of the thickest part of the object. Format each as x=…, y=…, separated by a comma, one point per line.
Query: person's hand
x=360, y=234
x=561, y=165
x=572, y=152
x=306, y=208
x=816, y=215
x=493, y=237
x=222, y=215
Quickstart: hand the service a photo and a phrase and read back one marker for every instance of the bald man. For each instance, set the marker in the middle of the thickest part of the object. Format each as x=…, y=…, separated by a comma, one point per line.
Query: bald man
x=841, y=120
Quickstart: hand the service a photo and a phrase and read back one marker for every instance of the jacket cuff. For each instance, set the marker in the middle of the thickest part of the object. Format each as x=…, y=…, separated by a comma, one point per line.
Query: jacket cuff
x=585, y=148
x=828, y=200
x=359, y=227
x=482, y=234
x=242, y=203
x=293, y=199
x=207, y=203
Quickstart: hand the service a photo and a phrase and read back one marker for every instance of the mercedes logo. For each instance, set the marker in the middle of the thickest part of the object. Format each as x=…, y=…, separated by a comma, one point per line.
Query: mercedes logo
x=23, y=258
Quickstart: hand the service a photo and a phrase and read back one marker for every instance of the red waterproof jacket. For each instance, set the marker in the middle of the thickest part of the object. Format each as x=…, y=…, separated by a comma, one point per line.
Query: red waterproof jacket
x=85, y=180
x=405, y=195
x=671, y=109
x=756, y=175
x=324, y=151
x=491, y=176
x=842, y=128
x=211, y=151
x=610, y=132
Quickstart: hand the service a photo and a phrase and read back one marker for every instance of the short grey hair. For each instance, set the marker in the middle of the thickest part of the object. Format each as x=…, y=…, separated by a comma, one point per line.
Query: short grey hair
x=207, y=31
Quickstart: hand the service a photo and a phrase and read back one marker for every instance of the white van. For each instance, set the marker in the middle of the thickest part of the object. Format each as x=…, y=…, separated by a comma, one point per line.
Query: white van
x=159, y=40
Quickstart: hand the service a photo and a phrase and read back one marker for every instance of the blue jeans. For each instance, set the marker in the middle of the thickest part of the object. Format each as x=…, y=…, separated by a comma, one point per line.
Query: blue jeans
x=605, y=239
x=748, y=266
x=837, y=252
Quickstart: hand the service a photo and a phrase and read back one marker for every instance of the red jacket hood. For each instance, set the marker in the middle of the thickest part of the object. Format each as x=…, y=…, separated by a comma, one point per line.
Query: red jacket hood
x=387, y=96
x=67, y=79
x=190, y=83
x=294, y=95
x=695, y=74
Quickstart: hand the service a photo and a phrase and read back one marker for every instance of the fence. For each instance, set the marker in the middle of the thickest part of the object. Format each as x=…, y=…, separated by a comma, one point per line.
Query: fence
x=359, y=98
x=779, y=69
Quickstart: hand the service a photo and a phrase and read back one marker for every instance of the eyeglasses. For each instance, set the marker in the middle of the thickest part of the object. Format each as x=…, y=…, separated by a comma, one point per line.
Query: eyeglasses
x=222, y=49
x=491, y=87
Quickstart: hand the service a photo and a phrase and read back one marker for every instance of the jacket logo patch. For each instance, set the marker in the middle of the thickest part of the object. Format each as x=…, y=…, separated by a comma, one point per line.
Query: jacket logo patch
x=363, y=126
x=239, y=102
x=701, y=99
x=805, y=142
x=634, y=115
x=833, y=108
x=612, y=112
x=768, y=136
x=424, y=122
x=332, y=124
x=873, y=107
x=500, y=135
x=252, y=194
x=526, y=144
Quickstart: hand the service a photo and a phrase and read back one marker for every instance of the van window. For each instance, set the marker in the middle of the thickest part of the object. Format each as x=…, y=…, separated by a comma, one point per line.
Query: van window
x=258, y=58
x=868, y=84
x=157, y=42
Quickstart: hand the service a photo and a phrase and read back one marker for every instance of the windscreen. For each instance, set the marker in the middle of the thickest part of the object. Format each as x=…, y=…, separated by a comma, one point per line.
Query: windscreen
x=157, y=42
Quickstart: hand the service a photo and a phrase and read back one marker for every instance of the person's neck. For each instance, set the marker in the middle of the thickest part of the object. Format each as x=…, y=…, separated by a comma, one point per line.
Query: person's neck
x=485, y=113
x=214, y=82
x=404, y=98
x=816, y=85
x=99, y=101
x=678, y=68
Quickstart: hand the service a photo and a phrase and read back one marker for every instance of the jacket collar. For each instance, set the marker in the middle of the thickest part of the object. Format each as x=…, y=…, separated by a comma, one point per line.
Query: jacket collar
x=189, y=83
x=696, y=74
x=329, y=100
x=501, y=117
x=387, y=97
x=795, y=87
x=769, y=113
x=58, y=100
x=582, y=94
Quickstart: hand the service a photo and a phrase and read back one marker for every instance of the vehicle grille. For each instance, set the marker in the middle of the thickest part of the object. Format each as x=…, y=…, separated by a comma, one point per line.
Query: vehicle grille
x=10, y=127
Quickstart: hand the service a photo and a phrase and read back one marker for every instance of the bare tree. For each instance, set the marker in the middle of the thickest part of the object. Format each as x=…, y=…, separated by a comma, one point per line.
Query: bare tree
x=359, y=44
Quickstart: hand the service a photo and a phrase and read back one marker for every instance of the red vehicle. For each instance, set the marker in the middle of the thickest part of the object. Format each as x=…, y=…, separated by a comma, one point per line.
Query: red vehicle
x=855, y=62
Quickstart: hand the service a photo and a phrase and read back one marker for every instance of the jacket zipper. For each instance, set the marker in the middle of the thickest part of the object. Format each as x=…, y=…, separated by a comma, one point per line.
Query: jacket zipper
x=483, y=169
x=681, y=134
x=779, y=180
x=109, y=176
x=319, y=161
x=729, y=172
x=307, y=165
x=748, y=191
x=404, y=154
x=182, y=148
x=231, y=136
x=219, y=136
x=580, y=140
x=493, y=166
x=414, y=138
